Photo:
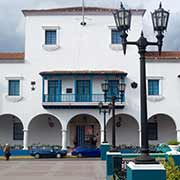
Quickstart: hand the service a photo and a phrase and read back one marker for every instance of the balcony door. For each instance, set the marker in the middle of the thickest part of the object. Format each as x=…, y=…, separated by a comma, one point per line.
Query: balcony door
x=113, y=88
x=54, y=90
x=83, y=91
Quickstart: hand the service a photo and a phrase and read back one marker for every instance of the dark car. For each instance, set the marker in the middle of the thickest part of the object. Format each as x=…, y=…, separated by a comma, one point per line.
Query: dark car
x=86, y=150
x=47, y=152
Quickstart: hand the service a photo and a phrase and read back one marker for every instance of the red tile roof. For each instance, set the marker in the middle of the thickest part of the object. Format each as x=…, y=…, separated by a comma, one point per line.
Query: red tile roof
x=171, y=55
x=11, y=56
x=152, y=55
x=83, y=72
x=77, y=11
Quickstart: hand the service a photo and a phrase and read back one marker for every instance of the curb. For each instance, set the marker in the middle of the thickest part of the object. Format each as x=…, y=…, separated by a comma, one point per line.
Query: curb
x=28, y=157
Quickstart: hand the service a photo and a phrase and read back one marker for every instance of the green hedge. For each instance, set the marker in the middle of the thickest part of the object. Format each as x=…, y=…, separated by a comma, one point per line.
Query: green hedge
x=172, y=171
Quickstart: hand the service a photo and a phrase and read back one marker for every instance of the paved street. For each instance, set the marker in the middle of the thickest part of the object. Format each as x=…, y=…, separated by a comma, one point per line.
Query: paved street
x=62, y=169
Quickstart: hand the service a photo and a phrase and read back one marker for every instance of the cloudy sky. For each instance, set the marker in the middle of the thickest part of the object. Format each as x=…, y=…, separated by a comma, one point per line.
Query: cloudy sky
x=12, y=20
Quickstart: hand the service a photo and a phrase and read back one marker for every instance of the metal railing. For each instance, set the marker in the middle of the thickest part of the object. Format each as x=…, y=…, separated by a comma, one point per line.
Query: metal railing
x=77, y=98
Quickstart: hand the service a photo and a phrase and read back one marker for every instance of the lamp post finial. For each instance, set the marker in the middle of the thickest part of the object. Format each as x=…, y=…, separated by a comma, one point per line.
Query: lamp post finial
x=121, y=5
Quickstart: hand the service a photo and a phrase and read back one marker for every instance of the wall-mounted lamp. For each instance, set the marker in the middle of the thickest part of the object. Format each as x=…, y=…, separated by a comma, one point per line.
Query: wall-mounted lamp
x=50, y=122
x=178, y=76
x=134, y=85
x=83, y=23
x=33, y=83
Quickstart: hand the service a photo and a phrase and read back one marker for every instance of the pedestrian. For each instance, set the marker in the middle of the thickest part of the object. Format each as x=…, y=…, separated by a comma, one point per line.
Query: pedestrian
x=7, y=153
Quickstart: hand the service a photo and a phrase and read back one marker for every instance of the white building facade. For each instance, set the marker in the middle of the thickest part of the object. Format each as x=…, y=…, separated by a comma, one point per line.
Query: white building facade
x=50, y=93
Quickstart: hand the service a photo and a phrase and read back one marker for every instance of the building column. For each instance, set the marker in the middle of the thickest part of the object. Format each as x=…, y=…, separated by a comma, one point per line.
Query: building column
x=102, y=135
x=25, y=141
x=64, y=139
x=178, y=135
x=139, y=131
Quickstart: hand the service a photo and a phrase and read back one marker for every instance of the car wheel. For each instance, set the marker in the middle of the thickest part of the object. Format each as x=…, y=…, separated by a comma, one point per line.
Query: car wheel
x=58, y=155
x=37, y=156
x=79, y=155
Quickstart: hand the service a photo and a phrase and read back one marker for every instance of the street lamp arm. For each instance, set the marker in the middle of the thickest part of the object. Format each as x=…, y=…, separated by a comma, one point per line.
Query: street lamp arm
x=131, y=42
x=142, y=42
x=152, y=43
x=136, y=43
x=104, y=111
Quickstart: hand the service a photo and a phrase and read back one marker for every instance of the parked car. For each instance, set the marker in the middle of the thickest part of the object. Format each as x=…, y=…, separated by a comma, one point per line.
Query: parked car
x=47, y=152
x=86, y=150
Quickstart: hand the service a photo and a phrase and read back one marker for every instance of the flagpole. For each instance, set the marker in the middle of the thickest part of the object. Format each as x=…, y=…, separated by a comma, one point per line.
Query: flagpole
x=83, y=23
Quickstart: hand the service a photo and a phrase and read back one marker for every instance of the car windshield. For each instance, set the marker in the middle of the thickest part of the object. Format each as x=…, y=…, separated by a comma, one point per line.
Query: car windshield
x=42, y=148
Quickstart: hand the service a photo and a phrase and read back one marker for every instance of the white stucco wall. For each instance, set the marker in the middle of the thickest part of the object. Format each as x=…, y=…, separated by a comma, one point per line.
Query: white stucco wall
x=128, y=124
x=166, y=128
x=84, y=48
x=42, y=132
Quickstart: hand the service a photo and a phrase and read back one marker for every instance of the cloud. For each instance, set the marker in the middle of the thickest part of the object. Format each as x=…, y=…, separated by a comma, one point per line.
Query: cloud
x=12, y=20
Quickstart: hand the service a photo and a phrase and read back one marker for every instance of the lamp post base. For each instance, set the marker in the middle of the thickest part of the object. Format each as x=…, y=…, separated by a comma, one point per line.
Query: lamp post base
x=113, y=149
x=145, y=159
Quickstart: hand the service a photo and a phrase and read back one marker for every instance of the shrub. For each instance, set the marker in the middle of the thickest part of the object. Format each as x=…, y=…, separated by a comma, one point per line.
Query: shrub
x=172, y=171
x=173, y=142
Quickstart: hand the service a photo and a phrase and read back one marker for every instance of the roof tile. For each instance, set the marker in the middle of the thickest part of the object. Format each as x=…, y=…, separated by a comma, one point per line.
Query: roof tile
x=11, y=56
x=164, y=55
x=76, y=11
x=81, y=72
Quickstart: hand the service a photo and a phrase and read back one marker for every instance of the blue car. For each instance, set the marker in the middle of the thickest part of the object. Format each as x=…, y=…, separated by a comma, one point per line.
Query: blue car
x=86, y=151
x=47, y=152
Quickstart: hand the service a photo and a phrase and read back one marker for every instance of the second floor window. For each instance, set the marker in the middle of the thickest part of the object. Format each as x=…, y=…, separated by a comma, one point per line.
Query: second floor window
x=113, y=88
x=153, y=87
x=115, y=37
x=54, y=90
x=14, y=88
x=50, y=37
x=83, y=90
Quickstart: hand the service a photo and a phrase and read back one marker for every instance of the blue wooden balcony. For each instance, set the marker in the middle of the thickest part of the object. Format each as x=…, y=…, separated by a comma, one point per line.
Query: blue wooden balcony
x=74, y=100
x=78, y=98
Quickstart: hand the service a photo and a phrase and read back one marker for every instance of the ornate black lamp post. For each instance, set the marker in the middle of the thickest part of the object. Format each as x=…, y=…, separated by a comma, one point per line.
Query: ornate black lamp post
x=121, y=89
x=123, y=21
x=104, y=110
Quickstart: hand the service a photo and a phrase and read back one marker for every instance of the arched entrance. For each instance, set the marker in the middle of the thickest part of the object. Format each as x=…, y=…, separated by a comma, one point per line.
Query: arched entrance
x=161, y=129
x=11, y=130
x=126, y=130
x=83, y=129
x=45, y=129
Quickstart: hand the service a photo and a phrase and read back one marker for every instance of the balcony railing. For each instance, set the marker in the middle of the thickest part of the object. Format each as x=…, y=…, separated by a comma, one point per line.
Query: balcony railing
x=78, y=98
